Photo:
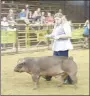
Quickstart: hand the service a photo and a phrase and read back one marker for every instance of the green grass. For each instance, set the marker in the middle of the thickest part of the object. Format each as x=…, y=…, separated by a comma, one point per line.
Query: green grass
x=13, y=83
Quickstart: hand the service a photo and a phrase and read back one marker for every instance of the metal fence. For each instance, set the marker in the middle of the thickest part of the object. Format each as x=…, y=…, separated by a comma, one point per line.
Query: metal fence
x=30, y=37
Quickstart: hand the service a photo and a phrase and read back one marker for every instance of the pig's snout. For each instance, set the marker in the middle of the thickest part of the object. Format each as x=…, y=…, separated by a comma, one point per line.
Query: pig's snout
x=16, y=70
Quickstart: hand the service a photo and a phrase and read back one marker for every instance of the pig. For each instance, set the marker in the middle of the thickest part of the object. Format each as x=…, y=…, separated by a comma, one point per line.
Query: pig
x=56, y=66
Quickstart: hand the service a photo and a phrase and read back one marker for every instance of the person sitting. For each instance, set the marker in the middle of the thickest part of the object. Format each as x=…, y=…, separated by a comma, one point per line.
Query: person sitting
x=12, y=24
x=22, y=14
x=49, y=19
x=37, y=15
x=34, y=16
x=30, y=16
x=58, y=14
x=4, y=24
x=11, y=14
x=42, y=20
x=27, y=11
x=4, y=27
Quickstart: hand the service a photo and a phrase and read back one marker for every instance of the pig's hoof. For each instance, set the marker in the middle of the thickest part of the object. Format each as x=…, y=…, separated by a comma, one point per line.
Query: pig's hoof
x=34, y=88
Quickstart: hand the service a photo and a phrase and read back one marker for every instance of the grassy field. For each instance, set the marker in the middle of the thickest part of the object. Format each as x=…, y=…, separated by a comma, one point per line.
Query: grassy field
x=21, y=83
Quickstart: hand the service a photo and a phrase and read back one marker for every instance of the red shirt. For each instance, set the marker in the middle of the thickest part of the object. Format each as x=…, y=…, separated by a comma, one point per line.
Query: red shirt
x=49, y=20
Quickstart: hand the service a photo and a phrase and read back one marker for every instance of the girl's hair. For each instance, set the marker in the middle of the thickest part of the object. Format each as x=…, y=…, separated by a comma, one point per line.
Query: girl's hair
x=64, y=19
x=87, y=22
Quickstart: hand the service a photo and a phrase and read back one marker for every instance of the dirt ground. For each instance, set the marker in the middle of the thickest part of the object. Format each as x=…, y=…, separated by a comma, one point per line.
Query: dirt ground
x=13, y=83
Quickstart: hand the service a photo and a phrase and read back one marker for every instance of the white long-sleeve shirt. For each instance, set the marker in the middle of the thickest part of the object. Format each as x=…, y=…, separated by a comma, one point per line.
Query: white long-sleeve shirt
x=62, y=44
x=4, y=23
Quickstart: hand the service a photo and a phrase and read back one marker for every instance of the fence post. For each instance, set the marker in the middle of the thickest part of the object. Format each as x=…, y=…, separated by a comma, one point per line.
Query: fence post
x=16, y=45
x=27, y=37
x=48, y=31
x=79, y=26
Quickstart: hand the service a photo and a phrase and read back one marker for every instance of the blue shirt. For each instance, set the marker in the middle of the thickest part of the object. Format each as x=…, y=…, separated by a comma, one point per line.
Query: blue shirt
x=86, y=30
x=22, y=14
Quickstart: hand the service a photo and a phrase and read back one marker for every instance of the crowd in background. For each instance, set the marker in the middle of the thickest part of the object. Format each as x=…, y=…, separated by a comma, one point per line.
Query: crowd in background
x=29, y=17
x=32, y=17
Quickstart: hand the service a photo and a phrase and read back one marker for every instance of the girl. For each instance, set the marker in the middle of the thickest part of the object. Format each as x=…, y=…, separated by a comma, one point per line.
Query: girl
x=62, y=44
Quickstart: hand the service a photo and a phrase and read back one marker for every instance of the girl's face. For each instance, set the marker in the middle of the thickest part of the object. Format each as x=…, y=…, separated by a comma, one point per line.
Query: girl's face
x=23, y=10
x=49, y=14
x=58, y=20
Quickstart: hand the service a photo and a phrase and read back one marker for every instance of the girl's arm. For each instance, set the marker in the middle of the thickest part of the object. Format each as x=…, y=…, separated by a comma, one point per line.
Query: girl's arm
x=50, y=35
x=67, y=30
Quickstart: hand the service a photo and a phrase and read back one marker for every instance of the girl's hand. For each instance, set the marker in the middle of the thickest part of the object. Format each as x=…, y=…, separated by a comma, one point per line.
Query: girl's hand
x=47, y=35
x=57, y=37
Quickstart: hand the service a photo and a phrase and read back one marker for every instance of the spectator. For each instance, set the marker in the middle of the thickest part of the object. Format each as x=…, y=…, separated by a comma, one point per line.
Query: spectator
x=30, y=16
x=86, y=33
x=37, y=15
x=22, y=14
x=42, y=18
x=49, y=19
x=34, y=16
x=58, y=14
x=11, y=14
x=4, y=24
x=27, y=10
x=4, y=27
x=12, y=23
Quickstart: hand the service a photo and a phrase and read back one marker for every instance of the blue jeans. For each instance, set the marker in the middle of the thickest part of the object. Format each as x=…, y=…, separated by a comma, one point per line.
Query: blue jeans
x=60, y=53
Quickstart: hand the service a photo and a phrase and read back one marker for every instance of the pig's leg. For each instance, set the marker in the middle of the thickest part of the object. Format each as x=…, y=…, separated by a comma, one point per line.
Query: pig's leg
x=60, y=77
x=35, y=79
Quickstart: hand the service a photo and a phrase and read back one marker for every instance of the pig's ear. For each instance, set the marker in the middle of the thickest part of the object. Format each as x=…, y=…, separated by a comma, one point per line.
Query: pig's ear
x=71, y=57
